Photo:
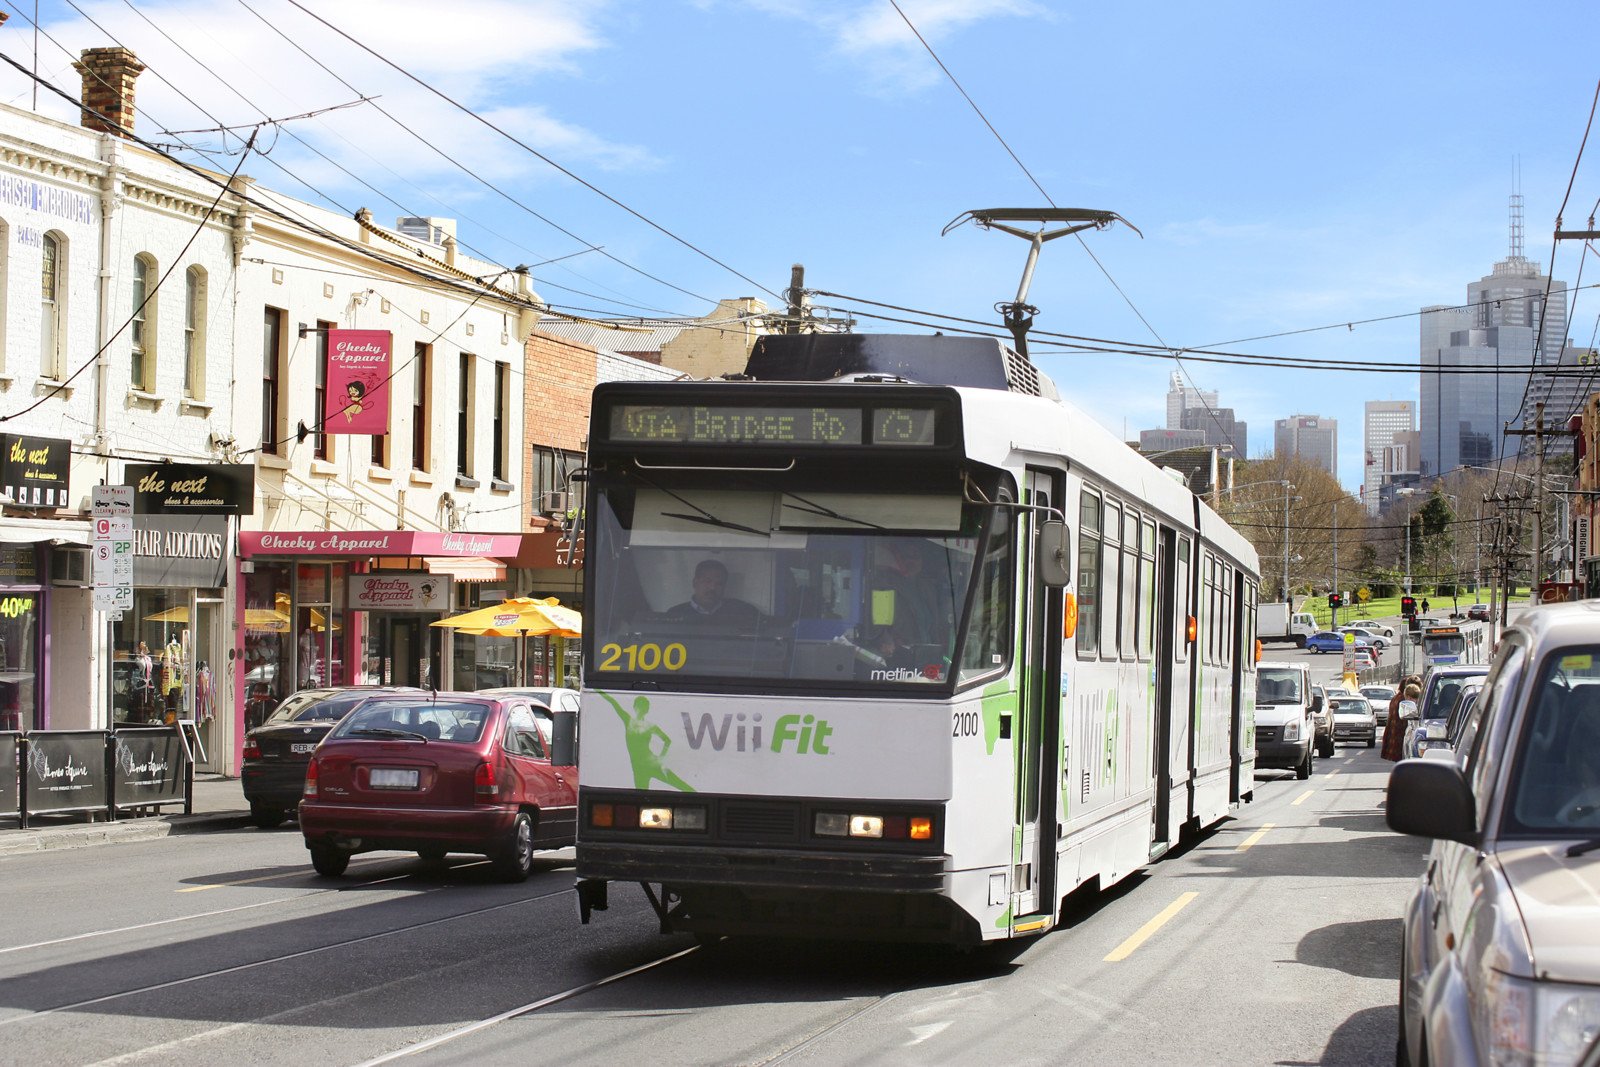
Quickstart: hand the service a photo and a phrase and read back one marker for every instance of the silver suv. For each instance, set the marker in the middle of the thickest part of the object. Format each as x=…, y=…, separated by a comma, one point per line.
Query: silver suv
x=1500, y=955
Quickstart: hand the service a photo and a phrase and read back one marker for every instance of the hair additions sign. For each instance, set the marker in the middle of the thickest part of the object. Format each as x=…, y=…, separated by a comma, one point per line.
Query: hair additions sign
x=358, y=382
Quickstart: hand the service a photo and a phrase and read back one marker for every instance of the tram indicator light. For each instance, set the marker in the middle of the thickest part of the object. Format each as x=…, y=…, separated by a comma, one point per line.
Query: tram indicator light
x=921, y=828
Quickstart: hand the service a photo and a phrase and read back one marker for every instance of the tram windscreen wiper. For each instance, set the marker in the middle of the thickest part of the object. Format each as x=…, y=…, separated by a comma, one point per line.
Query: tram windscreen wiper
x=709, y=519
x=813, y=508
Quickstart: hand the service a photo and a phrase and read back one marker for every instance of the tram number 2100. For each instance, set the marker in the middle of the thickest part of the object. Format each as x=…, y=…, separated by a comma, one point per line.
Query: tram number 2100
x=646, y=657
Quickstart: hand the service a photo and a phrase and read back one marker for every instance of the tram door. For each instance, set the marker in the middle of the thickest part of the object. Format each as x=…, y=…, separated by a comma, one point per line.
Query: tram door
x=1038, y=731
x=1165, y=631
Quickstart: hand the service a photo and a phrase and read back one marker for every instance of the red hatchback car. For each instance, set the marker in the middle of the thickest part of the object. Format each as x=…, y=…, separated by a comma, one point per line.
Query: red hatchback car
x=433, y=774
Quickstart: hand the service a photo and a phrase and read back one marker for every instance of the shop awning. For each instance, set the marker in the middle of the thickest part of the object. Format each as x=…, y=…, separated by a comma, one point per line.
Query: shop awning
x=467, y=568
x=15, y=529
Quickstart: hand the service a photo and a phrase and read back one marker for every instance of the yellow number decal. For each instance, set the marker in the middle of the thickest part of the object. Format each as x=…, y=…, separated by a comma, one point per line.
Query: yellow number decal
x=674, y=656
x=647, y=657
x=610, y=654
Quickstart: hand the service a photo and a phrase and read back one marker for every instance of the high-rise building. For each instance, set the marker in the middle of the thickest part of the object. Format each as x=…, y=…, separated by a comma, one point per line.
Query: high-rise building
x=1191, y=409
x=1310, y=437
x=1182, y=397
x=1385, y=421
x=1515, y=316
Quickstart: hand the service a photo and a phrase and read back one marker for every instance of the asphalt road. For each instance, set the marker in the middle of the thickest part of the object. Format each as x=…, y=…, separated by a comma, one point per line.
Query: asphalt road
x=1272, y=940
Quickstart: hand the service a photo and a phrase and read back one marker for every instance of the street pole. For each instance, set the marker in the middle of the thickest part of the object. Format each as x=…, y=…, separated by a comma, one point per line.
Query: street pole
x=1286, y=488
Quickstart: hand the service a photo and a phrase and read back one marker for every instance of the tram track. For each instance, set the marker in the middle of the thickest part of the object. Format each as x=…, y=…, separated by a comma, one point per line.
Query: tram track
x=176, y=983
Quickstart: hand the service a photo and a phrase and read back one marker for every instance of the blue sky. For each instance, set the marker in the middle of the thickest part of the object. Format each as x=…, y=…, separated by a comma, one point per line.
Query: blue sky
x=1291, y=166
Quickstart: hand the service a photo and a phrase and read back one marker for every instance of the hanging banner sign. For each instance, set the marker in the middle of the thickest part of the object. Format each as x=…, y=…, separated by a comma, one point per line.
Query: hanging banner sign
x=34, y=470
x=399, y=591
x=358, y=382
x=192, y=488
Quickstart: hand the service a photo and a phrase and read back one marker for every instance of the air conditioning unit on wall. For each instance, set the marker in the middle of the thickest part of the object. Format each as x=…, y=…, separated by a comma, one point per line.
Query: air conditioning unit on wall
x=69, y=566
x=553, y=503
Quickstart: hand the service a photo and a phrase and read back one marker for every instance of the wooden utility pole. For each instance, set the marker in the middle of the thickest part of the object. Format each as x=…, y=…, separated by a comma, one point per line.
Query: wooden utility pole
x=1537, y=433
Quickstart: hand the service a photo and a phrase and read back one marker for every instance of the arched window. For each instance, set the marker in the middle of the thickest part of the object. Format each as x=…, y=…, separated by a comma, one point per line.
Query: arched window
x=194, y=333
x=142, y=326
x=52, y=301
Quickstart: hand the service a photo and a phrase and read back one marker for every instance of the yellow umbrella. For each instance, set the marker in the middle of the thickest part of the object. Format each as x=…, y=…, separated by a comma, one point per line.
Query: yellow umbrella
x=178, y=614
x=519, y=617
x=265, y=620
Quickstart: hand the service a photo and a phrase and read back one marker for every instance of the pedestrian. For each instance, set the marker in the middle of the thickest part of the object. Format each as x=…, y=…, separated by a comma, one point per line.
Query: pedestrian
x=1394, y=730
x=1424, y=605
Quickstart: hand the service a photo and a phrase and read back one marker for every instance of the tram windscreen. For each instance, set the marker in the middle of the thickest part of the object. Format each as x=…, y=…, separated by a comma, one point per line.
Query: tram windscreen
x=861, y=588
x=1443, y=644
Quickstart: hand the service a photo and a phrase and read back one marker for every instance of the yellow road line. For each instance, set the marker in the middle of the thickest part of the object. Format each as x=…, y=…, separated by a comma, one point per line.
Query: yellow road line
x=1253, y=838
x=1297, y=801
x=1145, y=932
x=242, y=881
x=1330, y=774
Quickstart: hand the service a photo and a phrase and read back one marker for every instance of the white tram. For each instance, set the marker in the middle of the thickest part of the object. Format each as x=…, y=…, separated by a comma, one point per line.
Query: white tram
x=847, y=673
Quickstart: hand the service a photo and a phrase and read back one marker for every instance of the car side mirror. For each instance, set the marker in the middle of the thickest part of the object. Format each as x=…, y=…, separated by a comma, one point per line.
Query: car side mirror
x=1431, y=798
x=564, y=739
x=1408, y=709
x=1055, y=554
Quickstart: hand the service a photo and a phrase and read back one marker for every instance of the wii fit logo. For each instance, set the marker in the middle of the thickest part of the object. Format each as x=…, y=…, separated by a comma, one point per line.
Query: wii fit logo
x=798, y=734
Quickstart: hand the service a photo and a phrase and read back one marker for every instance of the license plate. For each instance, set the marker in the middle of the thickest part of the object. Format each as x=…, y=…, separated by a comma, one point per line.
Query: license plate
x=302, y=747
x=393, y=778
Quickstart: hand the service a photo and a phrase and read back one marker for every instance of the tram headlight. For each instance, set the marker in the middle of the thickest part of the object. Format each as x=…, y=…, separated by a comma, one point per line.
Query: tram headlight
x=866, y=826
x=655, y=818
x=831, y=824
x=895, y=827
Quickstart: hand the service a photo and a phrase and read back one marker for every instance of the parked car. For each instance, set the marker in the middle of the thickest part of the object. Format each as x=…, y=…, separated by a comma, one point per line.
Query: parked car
x=1332, y=641
x=1455, y=731
x=277, y=751
x=1478, y=612
x=1377, y=640
x=1352, y=718
x=1500, y=952
x=435, y=774
x=1364, y=656
x=1323, y=720
x=1439, y=691
x=553, y=697
x=1379, y=696
x=1374, y=626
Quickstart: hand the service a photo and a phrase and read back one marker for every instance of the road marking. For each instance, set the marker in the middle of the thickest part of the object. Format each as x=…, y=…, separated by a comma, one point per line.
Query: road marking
x=1297, y=801
x=1145, y=932
x=1257, y=836
x=1330, y=774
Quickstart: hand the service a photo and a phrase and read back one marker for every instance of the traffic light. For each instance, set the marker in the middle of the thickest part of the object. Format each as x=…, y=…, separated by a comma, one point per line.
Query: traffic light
x=1408, y=605
x=1335, y=600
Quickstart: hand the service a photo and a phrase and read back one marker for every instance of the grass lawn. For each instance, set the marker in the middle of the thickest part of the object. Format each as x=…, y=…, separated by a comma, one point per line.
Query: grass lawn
x=1387, y=607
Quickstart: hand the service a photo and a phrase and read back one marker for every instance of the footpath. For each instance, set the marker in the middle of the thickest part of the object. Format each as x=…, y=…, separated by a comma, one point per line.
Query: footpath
x=218, y=805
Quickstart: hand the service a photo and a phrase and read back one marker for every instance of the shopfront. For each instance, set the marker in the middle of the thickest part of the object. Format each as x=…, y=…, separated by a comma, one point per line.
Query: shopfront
x=322, y=608
x=34, y=481
x=170, y=653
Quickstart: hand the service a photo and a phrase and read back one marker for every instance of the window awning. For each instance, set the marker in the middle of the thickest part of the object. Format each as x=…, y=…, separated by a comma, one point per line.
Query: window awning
x=14, y=529
x=467, y=568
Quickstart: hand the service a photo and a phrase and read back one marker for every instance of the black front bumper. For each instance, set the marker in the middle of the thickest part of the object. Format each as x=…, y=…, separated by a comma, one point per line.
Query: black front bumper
x=754, y=868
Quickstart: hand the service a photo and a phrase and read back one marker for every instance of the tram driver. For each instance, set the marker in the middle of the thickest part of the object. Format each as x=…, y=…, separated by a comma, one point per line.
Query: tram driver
x=709, y=604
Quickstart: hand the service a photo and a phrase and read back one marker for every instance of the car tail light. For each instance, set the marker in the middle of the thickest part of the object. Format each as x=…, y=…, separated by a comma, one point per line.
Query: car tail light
x=252, y=748
x=311, y=779
x=485, y=786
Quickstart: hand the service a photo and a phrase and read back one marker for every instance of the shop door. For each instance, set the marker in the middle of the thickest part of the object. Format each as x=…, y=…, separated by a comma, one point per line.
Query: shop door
x=209, y=682
x=409, y=651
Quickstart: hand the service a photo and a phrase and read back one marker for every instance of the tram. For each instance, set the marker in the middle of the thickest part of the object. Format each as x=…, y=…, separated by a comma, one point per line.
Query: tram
x=884, y=640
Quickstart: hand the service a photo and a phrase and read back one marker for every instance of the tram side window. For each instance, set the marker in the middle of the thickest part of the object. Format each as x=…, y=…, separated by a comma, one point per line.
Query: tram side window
x=1225, y=638
x=1147, y=591
x=1210, y=568
x=1180, y=632
x=988, y=638
x=1088, y=575
x=1110, y=585
x=1130, y=584
x=1247, y=627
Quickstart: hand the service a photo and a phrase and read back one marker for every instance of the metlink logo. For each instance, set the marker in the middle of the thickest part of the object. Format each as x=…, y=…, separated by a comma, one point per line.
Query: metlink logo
x=795, y=734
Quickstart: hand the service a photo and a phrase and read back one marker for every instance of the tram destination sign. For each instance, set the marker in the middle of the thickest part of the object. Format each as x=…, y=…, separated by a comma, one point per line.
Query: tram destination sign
x=815, y=425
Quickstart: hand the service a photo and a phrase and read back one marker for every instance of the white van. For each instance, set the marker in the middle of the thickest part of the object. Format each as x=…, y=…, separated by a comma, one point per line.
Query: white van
x=1285, y=729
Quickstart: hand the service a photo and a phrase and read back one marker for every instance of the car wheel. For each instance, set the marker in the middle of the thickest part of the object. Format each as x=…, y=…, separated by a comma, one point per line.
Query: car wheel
x=329, y=862
x=515, y=862
x=1326, y=750
x=433, y=855
x=1373, y=740
x=267, y=816
x=1303, y=771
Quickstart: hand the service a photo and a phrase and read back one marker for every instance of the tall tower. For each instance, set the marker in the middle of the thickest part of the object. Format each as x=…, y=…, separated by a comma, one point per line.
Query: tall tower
x=1387, y=423
x=1515, y=317
x=1310, y=437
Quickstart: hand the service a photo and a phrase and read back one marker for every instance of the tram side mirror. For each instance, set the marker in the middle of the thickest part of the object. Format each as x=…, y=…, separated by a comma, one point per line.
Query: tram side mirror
x=564, y=739
x=1055, y=554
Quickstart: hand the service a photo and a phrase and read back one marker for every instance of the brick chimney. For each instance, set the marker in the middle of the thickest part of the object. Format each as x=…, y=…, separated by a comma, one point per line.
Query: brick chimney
x=108, y=75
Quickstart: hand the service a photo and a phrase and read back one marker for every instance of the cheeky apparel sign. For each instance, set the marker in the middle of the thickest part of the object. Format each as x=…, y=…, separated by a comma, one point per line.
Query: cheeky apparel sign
x=358, y=382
